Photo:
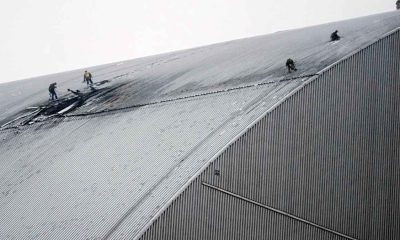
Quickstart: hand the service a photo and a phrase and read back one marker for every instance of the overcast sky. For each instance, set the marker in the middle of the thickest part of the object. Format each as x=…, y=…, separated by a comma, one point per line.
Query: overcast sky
x=40, y=37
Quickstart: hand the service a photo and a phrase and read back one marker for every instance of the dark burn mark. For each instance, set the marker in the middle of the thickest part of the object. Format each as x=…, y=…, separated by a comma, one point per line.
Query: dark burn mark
x=62, y=106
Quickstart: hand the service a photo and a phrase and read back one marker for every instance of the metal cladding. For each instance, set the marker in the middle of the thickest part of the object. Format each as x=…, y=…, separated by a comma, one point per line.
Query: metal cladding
x=328, y=155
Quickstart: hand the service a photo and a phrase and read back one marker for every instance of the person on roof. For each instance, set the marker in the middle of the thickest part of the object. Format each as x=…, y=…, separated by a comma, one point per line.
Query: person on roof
x=52, y=91
x=398, y=5
x=290, y=65
x=87, y=76
x=335, y=36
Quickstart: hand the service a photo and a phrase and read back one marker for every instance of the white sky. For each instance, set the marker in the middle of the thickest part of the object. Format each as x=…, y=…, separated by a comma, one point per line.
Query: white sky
x=39, y=37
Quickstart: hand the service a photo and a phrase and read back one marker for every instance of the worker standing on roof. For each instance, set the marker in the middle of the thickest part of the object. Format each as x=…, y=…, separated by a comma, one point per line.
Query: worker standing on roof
x=335, y=36
x=290, y=65
x=87, y=76
x=52, y=91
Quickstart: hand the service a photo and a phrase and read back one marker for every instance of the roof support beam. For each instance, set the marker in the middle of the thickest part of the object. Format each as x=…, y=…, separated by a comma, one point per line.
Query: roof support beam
x=278, y=211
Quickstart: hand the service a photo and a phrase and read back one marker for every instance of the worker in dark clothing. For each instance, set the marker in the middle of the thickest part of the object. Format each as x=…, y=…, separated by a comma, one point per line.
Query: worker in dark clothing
x=87, y=76
x=52, y=91
x=335, y=36
x=290, y=65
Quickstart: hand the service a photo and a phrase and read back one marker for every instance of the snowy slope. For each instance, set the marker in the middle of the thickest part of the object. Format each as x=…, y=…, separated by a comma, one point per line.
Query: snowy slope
x=107, y=174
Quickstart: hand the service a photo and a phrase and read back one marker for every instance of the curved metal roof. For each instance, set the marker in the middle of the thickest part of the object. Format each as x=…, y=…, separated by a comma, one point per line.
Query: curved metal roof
x=119, y=157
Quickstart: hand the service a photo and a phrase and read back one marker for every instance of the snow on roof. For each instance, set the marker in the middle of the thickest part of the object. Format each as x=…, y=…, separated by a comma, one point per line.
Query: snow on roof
x=106, y=168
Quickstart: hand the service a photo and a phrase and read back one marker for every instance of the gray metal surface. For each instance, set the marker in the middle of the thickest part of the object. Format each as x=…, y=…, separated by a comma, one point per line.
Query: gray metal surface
x=329, y=154
x=98, y=176
x=111, y=166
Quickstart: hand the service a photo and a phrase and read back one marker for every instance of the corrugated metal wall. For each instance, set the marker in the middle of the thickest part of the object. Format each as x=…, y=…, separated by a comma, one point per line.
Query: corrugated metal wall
x=329, y=154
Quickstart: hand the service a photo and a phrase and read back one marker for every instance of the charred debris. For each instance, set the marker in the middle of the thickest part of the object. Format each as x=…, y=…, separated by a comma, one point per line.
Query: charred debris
x=59, y=108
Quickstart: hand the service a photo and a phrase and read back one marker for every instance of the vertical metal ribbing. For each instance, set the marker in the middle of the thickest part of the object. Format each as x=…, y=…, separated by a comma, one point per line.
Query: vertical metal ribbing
x=328, y=154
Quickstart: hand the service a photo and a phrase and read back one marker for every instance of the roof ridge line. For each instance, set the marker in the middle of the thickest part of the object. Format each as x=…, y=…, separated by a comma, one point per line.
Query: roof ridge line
x=201, y=94
x=359, y=49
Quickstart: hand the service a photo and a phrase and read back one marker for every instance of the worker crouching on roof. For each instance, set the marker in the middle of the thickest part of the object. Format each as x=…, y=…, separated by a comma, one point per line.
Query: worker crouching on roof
x=335, y=36
x=290, y=65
